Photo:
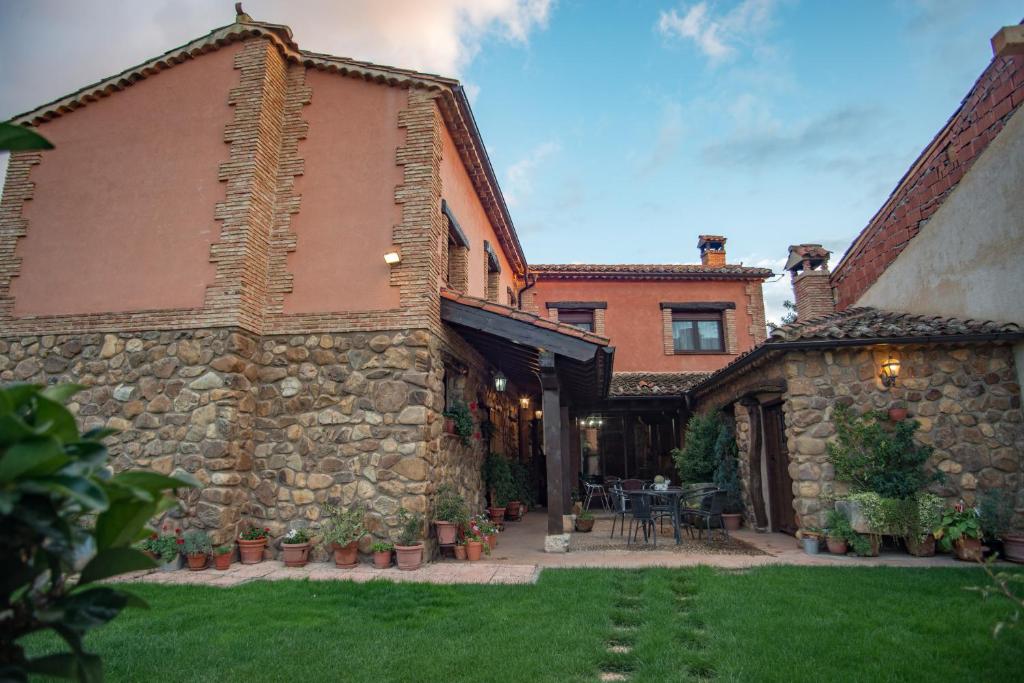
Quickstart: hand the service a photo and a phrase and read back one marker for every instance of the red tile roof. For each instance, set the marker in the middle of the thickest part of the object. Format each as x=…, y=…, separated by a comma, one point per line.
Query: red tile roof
x=522, y=316
x=630, y=384
x=646, y=271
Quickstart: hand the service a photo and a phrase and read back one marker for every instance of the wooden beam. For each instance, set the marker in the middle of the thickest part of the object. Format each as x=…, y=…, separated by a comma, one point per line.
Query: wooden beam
x=568, y=476
x=551, y=405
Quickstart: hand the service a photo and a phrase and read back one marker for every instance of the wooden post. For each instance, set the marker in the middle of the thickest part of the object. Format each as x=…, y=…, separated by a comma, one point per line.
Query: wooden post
x=550, y=404
x=568, y=476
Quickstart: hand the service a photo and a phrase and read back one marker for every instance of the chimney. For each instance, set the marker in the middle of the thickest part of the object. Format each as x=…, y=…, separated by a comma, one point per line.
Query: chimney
x=808, y=264
x=712, y=250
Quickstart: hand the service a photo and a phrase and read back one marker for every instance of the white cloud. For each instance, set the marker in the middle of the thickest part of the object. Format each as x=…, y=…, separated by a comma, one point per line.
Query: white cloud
x=667, y=141
x=437, y=36
x=519, y=176
x=719, y=37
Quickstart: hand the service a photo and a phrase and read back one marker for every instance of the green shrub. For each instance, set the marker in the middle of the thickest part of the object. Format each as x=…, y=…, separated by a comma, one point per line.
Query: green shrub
x=995, y=512
x=696, y=461
x=164, y=546
x=957, y=524
x=410, y=527
x=197, y=543
x=449, y=506
x=727, y=476
x=876, y=458
x=63, y=513
x=459, y=413
x=382, y=547
x=498, y=479
x=524, y=483
x=342, y=526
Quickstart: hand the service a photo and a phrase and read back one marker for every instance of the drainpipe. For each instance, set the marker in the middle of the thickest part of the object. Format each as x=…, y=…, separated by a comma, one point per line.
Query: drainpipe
x=529, y=285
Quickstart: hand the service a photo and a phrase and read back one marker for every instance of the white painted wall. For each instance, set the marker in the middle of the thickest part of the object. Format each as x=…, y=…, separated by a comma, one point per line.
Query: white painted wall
x=968, y=260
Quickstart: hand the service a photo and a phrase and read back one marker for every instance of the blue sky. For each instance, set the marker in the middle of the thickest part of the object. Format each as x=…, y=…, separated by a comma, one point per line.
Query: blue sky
x=620, y=129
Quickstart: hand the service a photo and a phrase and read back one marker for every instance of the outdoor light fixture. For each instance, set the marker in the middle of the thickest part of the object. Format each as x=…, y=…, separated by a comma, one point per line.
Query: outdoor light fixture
x=392, y=257
x=890, y=371
x=500, y=381
x=538, y=414
x=524, y=402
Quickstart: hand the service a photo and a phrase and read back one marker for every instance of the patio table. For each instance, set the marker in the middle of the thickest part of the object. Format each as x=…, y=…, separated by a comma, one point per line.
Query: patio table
x=673, y=494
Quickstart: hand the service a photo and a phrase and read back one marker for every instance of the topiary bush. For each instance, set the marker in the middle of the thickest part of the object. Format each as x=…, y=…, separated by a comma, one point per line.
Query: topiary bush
x=696, y=461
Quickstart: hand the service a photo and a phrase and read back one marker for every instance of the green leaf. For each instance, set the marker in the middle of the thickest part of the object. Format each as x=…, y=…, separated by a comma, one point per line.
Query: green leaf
x=32, y=458
x=64, y=665
x=85, y=491
x=97, y=433
x=114, y=561
x=119, y=525
x=15, y=138
x=60, y=421
x=61, y=392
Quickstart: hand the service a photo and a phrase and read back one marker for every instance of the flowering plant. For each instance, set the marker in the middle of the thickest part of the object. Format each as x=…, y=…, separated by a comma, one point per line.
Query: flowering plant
x=164, y=546
x=255, y=533
x=296, y=537
x=485, y=525
x=475, y=534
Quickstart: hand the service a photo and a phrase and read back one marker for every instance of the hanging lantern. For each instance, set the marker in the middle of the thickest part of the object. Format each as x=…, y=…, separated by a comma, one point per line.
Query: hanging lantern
x=500, y=381
x=890, y=371
x=538, y=414
x=524, y=402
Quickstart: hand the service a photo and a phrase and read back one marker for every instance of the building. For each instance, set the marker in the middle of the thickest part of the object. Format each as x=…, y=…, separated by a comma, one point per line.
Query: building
x=276, y=269
x=921, y=285
x=671, y=326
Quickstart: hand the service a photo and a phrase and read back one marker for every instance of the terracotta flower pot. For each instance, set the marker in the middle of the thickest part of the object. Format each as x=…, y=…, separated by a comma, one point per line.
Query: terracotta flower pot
x=222, y=562
x=925, y=548
x=1013, y=547
x=295, y=554
x=410, y=557
x=473, y=550
x=492, y=541
x=460, y=552
x=346, y=556
x=449, y=426
x=251, y=552
x=446, y=532
x=897, y=414
x=584, y=526
x=497, y=515
x=512, y=510
x=732, y=521
x=836, y=546
x=381, y=559
x=196, y=562
x=967, y=549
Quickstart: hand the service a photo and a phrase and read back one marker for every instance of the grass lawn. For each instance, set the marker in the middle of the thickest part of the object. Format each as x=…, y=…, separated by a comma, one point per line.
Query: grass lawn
x=776, y=623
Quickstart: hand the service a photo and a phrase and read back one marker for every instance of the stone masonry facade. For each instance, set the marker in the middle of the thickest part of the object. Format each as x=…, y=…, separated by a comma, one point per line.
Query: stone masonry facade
x=273, y=426
x=965, y=398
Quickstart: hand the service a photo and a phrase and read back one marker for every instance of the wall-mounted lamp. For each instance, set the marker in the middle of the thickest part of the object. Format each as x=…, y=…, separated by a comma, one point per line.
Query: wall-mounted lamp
x=524, y=402
x=500, y=381
x=890, y=371
x=392, y=257
x=538, y=414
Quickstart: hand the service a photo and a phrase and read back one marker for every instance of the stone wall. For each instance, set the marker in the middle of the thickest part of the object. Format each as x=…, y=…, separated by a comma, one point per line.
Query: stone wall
x=965, y=398
x=273, y=427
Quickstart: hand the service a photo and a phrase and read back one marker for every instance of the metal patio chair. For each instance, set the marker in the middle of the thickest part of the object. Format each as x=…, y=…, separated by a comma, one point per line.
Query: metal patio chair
x=643, y=518
x=708, y=516
x=592, y=491
x=620, y=508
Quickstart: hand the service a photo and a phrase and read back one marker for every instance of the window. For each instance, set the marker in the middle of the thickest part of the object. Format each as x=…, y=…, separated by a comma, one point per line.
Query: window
x=581, y=318
x=493, y=271
x=694, y=332
x=456, y=270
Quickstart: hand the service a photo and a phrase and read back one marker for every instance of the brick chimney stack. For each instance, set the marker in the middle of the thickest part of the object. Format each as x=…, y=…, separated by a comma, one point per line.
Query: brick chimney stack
x=808, y=264
x=712, y=250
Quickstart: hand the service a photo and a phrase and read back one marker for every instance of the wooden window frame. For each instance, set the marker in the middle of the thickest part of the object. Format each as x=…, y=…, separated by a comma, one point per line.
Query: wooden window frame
x=696, y=317
x=574, y=316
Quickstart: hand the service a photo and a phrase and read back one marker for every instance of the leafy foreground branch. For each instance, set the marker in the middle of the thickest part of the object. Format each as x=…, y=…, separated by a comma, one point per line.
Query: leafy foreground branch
x=1002, y=586
x=62, y=513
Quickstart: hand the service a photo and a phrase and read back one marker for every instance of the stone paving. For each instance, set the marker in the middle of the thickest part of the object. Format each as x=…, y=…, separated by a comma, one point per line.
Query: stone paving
x=447, y=572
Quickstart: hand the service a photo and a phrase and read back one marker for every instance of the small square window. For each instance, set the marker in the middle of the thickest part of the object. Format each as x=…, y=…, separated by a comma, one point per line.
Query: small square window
x=697, y=332
x=581, y=318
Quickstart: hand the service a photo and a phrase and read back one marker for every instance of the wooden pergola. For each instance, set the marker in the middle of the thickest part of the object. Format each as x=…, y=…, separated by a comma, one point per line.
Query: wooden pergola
x=568, y=369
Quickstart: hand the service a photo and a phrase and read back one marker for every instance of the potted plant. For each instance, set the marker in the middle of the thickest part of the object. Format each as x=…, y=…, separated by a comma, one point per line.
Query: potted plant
x=497, y=476
x=513, y=510
x=163, y=548
x=1013, y=547
x=295, y=548
x=925, y=518
x=197, y=547
x=960, y=531
x=696, y=461
x=810, y=538
x=838, y=532
x=409, y=548
x=727, y=477
x=251, y=543
x=995, y=513
x=460, y=549
x=461, y=421
x=449, y=514
x=341, y=532
x=585, y=522
x=222, y=557
x=898, y=411
x=474, y=547
x=382, y=554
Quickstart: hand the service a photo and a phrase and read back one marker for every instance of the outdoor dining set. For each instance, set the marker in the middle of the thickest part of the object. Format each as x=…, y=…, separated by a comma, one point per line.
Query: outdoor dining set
x=697, y=508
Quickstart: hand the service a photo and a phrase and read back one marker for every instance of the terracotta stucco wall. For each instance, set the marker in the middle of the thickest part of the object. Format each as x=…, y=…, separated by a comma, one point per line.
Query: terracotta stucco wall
x=348, y=210
x=457, y=189
x=633, y=319
x=122, y=215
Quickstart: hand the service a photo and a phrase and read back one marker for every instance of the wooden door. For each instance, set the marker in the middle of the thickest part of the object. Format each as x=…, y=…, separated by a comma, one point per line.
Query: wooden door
x=780, y=485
